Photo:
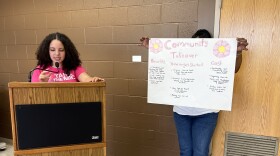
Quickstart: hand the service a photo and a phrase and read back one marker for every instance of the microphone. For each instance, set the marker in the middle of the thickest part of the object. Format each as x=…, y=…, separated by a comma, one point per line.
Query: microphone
x=56, y=64
x=30, y=73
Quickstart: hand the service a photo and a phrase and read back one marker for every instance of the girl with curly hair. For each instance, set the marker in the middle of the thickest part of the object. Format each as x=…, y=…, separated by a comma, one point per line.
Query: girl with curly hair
x=58, y=61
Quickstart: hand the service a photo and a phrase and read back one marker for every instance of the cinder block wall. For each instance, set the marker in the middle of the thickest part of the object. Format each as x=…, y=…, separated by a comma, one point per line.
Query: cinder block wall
x=106, y=33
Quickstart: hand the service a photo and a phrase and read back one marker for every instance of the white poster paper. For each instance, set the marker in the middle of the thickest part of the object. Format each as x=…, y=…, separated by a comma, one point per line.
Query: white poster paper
x=192, y=72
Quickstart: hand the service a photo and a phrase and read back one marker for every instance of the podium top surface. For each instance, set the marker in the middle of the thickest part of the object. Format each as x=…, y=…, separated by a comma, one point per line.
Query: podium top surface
x=54, y=84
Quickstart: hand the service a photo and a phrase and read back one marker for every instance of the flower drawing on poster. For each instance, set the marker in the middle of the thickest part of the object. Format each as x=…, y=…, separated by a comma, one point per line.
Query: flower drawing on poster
x=221, y=49
x=155, y=45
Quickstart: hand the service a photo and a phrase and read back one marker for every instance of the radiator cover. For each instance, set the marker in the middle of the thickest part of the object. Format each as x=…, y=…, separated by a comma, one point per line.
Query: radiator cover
x=240, y=144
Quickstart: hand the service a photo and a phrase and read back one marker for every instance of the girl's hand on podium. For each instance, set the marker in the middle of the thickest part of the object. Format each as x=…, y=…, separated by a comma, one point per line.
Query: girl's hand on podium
x=84, y=77
x=96, y=79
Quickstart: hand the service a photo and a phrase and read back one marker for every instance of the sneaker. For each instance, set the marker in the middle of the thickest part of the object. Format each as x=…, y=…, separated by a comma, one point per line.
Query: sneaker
x=2, y=145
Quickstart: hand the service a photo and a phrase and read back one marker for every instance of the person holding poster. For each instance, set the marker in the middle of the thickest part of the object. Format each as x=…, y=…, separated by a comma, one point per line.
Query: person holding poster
x=195, y=126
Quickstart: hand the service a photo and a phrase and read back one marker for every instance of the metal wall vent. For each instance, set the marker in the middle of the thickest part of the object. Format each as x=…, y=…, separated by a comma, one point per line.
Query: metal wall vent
x=239, y=144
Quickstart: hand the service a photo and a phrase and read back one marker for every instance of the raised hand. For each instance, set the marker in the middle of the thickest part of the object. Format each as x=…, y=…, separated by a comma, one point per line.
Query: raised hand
x=241, y=45
x=145, y=42
x=44, y=76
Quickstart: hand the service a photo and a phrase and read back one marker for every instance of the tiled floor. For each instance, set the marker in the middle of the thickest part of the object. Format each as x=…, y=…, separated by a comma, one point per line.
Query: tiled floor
x=9, y=151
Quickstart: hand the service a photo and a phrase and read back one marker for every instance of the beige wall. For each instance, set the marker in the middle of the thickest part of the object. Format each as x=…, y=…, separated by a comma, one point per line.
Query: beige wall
x=106, y=33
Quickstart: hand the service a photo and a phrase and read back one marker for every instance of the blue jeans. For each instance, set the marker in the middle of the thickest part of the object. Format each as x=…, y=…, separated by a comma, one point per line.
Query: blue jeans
x=195, y=133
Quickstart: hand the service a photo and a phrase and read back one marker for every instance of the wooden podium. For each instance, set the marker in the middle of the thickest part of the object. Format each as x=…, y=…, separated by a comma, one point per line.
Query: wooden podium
x=38, y=94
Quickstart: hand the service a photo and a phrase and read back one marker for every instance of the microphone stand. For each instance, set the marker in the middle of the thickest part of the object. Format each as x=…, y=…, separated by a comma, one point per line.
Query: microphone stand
x=30, y=73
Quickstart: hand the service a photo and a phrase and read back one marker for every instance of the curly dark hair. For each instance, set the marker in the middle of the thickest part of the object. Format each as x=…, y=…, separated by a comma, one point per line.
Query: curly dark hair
x=202, y=33
x=71, y=61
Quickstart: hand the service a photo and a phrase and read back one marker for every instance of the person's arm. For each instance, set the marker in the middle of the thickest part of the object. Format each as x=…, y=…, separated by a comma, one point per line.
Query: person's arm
x=241, y=45
x=40, y=76
x=45, y=76
x=84, y=77
x=35, y=76
x=238, y=62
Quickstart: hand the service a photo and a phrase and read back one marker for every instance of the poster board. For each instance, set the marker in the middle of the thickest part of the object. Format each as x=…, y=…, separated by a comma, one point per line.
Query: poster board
x=193, y=72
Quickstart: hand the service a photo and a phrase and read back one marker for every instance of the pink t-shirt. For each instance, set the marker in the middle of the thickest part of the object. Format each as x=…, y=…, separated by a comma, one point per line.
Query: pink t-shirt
x=59, y=74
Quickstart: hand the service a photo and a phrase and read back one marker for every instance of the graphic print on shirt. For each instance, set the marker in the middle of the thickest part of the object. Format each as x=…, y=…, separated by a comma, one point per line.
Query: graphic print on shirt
x=62, y=77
